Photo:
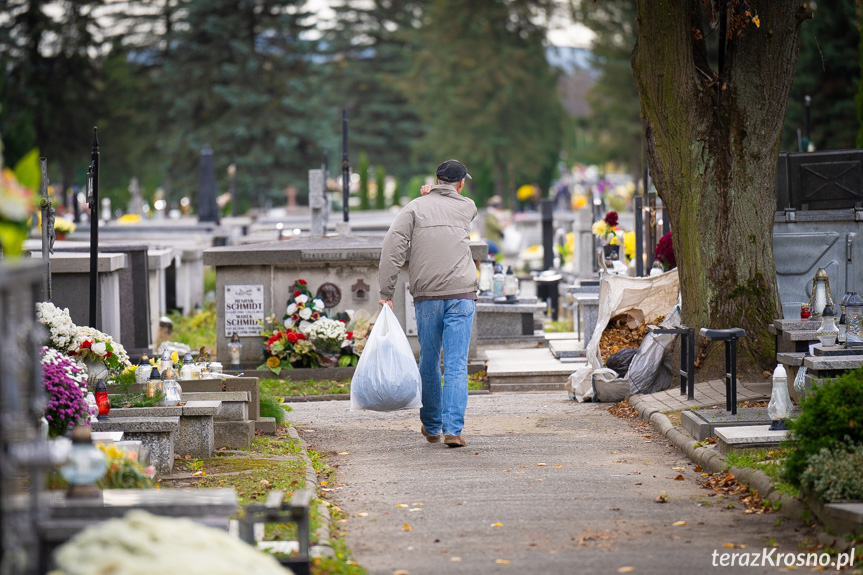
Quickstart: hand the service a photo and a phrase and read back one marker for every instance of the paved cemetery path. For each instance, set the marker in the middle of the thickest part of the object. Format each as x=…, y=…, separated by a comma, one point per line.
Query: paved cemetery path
x=545, y=486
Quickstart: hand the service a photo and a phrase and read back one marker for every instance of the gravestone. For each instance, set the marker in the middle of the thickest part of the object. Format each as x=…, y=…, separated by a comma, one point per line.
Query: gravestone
x=136, y=202
x=318, y=202
x=208, y=210
x=819, y=216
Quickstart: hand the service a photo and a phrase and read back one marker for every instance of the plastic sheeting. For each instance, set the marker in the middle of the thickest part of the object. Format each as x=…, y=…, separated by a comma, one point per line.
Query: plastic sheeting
x=653, y=296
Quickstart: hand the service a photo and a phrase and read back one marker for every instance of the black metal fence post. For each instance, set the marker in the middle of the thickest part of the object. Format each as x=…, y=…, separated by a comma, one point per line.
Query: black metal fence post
x=93, y=199
x=346, y=168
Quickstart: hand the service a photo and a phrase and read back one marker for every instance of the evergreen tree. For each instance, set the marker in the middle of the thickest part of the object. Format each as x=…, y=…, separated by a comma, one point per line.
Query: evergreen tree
x=486, y=92
x=242, y=79
x=50, y=92
x=828, y=70
x=370, y=47
x=363, y=170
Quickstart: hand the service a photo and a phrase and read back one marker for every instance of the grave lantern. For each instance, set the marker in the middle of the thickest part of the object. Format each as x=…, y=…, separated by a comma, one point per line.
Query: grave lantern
x=779, y=407
x=854, y=321
x=821, y=296
x=236, y=349
x=841, y=323
x=486, y=270
x=102, y=400
x=828, y=332
x=85, y=466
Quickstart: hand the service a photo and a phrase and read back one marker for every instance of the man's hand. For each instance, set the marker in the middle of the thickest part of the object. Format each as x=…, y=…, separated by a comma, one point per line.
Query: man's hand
x=424, y=190
x=388, y=302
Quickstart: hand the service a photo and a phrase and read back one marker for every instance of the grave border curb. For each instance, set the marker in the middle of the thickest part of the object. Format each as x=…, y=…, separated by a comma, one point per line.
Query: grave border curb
x=324, y=546
x=713, y=462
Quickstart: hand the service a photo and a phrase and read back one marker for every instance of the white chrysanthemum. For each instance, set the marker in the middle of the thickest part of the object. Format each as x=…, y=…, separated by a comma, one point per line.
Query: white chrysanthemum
x=302, y=298
x=304, y=326
x=306, y=313
x=292, y=309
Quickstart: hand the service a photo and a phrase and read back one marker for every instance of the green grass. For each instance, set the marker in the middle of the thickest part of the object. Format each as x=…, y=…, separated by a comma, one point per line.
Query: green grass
x=196, y=330
x=274, y=463
x=290, y=388
x=558, y=326
x=770, y=462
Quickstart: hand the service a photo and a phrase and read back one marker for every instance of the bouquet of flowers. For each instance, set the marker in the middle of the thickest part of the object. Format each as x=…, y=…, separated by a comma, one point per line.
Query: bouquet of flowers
x=65, y=383
x=86, y=343
x=607, y=228
x=303, y=308
x=284, y=346
x=17, y=201
x=125, y=471
x=328, y=335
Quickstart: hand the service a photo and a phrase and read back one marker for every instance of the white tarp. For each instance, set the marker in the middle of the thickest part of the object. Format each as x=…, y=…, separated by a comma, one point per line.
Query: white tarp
x=653, y=296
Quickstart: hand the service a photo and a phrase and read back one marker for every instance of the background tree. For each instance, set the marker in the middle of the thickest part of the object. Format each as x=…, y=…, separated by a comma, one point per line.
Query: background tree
x=370, y=47
x=243, y=80
x=50, y=90
x=485, y=91
x=614, y=125
x=828, y=70
x=713, y=139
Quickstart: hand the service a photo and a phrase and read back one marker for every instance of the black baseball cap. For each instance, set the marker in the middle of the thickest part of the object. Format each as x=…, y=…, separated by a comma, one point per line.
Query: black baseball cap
x=452, y=171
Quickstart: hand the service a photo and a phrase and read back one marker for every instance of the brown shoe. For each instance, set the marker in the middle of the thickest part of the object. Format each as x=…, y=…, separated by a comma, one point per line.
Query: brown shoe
x=454, y=441
x=429, y=437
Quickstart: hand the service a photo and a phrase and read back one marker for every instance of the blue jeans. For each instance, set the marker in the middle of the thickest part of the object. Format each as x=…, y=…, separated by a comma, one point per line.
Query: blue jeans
x=444, y=324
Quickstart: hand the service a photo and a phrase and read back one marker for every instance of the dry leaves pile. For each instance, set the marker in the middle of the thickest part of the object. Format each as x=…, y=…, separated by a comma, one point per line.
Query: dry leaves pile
x=725, y=485
x=624, y=410
x=618, y=335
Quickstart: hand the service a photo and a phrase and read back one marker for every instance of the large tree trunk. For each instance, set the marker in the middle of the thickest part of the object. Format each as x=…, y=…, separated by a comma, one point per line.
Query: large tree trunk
x=713, y=142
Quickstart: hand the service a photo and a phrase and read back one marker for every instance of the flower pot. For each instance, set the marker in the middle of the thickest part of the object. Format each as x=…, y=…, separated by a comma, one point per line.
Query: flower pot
x=329, y=359
x=96, y=370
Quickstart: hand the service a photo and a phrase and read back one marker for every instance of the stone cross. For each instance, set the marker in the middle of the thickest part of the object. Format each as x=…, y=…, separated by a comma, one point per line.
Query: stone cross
x=318, y=202
x=136, y=202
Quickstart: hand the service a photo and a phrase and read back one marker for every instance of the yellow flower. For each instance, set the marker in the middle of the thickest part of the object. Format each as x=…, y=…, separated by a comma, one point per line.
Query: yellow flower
x=629, y=244
x=129, y=219
x=600, y=228
x=579, y=202
x=524, y=193
x=273, y=362
x=175, y=357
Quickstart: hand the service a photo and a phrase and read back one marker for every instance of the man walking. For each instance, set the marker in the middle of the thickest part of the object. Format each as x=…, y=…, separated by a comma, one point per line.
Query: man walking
x=443, y=283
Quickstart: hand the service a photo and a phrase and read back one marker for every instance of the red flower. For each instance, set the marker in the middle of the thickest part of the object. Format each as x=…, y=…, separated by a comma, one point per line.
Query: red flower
x=316, y=316
x=107, y=355
x=301, y=336
x=611, y=219
x=665, y=251
x=86, y=344
x=301, y=282
x=297, y=294
x=292, y=337
x=349, y=335
x=344, y=321
x=295, y=317
x=276, y=337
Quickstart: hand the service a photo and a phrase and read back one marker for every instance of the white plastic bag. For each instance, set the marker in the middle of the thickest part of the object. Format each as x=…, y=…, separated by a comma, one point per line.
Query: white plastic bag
x=387, y=377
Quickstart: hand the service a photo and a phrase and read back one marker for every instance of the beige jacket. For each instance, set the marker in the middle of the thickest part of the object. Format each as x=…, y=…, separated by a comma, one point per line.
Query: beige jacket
x=435, y=230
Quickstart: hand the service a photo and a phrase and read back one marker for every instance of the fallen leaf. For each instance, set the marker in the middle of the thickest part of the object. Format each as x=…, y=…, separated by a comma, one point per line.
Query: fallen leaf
x=698, y=469
x=401, y=505
x=455, y=559
x=626, y=569
x=677, y=468
x=417, y=504
x=415, y=509
x=728, y=545
x=679, y=478
x=324, y=483
x=540, y=464
x=407, y=527
x=345, y=453
x=498, y=524
x=661, y=499
x=678, y=524
x=363, y=514
x=558, y=466
x=502, y=561
x=200, y=473
x=264, y=482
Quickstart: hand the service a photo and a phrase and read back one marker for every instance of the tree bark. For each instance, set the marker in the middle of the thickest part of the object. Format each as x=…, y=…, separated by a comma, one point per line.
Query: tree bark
x=713, y=142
